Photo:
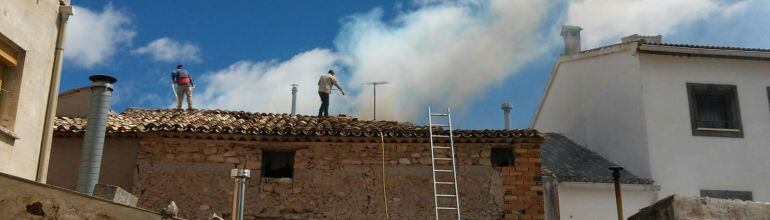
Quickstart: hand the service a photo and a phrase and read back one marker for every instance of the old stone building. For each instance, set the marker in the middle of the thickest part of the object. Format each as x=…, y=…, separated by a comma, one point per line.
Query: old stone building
x=305, y=167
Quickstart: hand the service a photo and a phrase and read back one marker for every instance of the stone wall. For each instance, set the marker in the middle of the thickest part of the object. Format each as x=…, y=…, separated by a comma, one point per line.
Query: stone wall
x=676, y=207
x=334, y=180
x=118, y=162
x=24, y=199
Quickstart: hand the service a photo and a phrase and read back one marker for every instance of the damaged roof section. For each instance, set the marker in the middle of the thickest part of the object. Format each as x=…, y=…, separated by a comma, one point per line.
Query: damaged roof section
x=240, y=122
x=570, y=162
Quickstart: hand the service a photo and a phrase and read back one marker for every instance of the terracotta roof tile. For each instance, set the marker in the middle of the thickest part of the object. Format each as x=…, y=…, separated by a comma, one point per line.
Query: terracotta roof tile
x=134, y=120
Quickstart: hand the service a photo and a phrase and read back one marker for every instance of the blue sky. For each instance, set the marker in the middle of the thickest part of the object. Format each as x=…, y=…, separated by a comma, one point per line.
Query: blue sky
x=471, y=55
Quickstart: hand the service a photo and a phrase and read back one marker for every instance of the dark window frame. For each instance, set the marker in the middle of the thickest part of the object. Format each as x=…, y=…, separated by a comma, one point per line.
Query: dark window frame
x=269, y=155
x=732, y=95
x=502, y=157
x=727, y=194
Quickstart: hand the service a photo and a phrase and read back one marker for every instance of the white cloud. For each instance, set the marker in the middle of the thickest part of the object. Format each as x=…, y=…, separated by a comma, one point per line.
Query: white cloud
x=169, y=50
x=444, y=53
x=605, y=21
x=94, y=37
x=265, y=86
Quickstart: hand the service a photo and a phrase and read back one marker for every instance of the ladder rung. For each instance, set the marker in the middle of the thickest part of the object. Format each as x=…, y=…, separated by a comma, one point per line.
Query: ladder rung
x=439, y=125
x=442, y=158
x=438, y=114
x=445, y=183
x=441, y=147
x=449, y=208
x=444, y=195
x=441, y=136
x=448, y=171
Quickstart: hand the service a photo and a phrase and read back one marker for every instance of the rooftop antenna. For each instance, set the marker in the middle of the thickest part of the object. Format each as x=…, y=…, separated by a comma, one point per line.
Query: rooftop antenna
x=374, y=86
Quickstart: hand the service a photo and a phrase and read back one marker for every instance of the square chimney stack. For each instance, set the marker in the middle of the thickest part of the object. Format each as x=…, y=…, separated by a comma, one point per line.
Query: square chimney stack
x=571, y=36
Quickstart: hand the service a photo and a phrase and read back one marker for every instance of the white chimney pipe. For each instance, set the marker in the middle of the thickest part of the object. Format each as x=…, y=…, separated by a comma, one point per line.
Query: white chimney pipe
x=294, y=99
x=571, y=36
x=507, y=114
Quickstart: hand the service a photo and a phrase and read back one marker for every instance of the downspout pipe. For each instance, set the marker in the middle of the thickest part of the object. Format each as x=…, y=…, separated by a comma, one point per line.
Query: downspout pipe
x=96, y=127
x=65, y=11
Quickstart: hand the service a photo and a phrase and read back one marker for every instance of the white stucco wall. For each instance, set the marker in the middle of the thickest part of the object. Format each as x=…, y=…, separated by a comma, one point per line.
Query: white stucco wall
x=597, y=102
x=32, y=25
x=596, y=201
x=684, y=164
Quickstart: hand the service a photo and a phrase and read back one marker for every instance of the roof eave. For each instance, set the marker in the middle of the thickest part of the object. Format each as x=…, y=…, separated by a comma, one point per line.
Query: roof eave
x=705, y=52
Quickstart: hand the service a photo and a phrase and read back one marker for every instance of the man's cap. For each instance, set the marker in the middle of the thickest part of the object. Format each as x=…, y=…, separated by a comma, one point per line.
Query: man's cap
x=179, y=66
x=331, y=71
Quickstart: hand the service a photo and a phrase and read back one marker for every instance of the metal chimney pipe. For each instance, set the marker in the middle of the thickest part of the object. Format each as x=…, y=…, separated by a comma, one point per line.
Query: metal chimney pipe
x=507, y=114
x=239, y=193
x=294, y=99
x=618, y=197
x=93, y=142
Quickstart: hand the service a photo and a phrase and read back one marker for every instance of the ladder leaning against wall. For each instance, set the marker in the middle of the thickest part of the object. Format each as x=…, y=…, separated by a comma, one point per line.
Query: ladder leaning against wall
x=446, y=199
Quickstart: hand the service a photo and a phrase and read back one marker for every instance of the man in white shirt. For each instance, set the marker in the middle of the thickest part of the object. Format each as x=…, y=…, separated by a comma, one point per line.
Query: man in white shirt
x=324, y=89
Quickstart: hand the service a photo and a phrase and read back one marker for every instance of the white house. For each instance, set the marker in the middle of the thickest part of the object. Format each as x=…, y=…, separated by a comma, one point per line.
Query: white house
x=579, y=185
x=694, y=118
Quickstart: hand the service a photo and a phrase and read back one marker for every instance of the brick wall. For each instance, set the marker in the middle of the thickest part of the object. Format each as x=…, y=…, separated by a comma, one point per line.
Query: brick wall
x=522, y=184
x=334, y=180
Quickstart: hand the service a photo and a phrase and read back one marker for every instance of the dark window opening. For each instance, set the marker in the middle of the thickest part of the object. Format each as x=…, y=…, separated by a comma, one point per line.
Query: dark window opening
x=501, y=157
x=278, y=164
x=714, y=110
x=726, y=194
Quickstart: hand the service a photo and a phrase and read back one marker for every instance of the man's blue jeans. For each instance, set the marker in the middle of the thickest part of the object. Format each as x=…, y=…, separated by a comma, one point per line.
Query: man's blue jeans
x=324, y=110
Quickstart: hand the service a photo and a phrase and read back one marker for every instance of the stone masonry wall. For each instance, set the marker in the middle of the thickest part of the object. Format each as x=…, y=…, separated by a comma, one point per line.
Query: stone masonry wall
x=334, y=180
x=25, y=199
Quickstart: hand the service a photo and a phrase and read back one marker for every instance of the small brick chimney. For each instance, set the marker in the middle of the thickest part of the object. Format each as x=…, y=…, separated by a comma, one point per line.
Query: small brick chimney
x=571, y=36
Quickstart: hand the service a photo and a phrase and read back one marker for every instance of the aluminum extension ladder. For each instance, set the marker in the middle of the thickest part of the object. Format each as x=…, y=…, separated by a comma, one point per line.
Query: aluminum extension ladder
x=444, y=175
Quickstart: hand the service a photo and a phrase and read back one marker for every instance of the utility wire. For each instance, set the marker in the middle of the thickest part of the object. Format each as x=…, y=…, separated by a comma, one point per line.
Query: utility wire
x=384, y=188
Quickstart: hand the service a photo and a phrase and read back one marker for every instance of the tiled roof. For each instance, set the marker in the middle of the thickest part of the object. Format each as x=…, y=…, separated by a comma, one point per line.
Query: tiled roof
x=570, y=162
x=240, y=122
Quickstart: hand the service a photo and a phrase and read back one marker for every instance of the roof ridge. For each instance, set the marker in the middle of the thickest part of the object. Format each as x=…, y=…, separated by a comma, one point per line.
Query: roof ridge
x=710, y=46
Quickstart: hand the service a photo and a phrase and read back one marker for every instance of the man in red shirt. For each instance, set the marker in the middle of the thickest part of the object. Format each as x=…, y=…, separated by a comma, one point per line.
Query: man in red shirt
x=183, y=81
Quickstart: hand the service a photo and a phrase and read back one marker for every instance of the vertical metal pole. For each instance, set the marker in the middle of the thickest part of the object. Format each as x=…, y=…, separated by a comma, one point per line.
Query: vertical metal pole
x=239, y=193
x=618, y=197
x=375, y=102
x=294, y=99
x=93, y=142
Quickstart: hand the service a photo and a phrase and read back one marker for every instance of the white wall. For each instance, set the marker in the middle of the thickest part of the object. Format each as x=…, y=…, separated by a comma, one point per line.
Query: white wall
x=684, y=164
x=32, y=25
x=597, y=102
x=596, y=201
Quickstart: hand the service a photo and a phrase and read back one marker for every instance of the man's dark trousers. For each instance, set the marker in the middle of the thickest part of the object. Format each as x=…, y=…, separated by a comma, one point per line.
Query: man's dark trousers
x=324, y=110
